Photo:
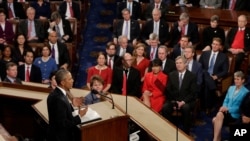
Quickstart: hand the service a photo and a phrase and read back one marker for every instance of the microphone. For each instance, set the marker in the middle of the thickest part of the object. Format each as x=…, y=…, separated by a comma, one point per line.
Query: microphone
x=93, y=91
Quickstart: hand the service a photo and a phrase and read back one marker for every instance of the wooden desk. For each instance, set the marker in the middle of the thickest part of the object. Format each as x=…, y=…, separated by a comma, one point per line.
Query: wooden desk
x=203, y=15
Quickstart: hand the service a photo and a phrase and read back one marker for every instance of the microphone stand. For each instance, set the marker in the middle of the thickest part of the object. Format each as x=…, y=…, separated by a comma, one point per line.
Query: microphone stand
x=103, y=95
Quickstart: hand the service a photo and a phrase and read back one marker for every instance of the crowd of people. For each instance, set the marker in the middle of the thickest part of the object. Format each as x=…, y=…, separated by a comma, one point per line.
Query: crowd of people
x=136, y=63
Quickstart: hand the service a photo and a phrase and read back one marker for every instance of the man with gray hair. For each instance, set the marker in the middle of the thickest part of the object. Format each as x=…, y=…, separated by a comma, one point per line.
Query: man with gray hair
x=184, y=27
x=152, y=49
x=123, y=46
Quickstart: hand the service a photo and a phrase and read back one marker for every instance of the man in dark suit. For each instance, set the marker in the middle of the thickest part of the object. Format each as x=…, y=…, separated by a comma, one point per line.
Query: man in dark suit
x=112, y=58
x=66, y=7
x=62, y=27
x=215, y=65
x=180, y=47
x=11, y=74
x=180, y=93
x=29, y=72
x=238, y=5
x=238, y=41
x=152, y=48
x=157, y=26
x=133, y=78
x=123, y=46
x=16, y=8
x=168, y=65
x=62, y=124
x=133, y=6
x=156, y=4
x=194, y=66
x=184, y=27
x=127, y=27
x=31, y=27
x=61, y=53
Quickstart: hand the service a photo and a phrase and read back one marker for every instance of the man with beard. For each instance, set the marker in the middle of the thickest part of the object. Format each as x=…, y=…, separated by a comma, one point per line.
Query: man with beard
x=111, y=57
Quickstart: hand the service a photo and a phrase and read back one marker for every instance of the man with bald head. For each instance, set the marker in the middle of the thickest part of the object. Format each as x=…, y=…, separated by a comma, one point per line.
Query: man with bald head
x=157, y=26
x=126, y=79
x=238, y=41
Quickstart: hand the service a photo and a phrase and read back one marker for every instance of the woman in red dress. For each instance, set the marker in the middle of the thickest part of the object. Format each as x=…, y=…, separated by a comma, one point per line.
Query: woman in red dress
x=153, y=87
x=141, y=63
x=102, y=70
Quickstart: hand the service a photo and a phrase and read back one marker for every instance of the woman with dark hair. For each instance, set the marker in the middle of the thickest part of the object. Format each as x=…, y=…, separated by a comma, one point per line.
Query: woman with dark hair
x=20, y=46
x=42, y=8
x=46, y=63
x=141, y=63
x=6, y=58
x=102, y=70
x=153, y=87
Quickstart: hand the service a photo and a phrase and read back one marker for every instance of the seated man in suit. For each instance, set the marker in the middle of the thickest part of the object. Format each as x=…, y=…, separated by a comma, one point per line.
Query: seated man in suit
x=194, y=66
x=133, y=6
x=238, y=41
x=13, y=9
x=69, y=9
x=180, y=93
x=61, y=26
x=127, y=27
x=215, y=65
x=123, y=46
x=29, y=72
x=180, y=47
x=126, y=80
x=112, y=58
x=11, y=74
x=158, y=4
x=32, y=28
x=184, y=27
x=157, y=26
x=152, y=48
x=59, y=51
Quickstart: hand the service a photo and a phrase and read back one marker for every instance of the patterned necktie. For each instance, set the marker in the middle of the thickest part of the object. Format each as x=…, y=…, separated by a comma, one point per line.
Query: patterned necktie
x=152, y=54
x=211, y=66
x=29, y=28
x=10, y=12
x=232, y=5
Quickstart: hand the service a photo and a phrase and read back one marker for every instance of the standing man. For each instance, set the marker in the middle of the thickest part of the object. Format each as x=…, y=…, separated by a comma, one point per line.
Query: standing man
x=180, y=93
x=238, y=41
x=126, y=79
x=29, y=72
x=31, y=27
x=59, y=51
x=62, y=124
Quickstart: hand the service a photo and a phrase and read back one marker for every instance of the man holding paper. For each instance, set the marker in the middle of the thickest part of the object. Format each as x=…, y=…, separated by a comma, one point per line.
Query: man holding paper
x=62, y=124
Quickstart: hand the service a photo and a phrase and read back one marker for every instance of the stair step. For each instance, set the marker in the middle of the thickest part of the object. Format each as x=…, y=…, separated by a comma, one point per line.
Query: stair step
x=101, y=39
x=103, y=25
x=106, y=12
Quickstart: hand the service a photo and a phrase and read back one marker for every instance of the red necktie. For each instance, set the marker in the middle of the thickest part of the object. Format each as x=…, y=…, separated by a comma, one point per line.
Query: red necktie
x=27, y=76
x=71, y=10
x=124, y=84
x=157, y=6
x=29, y=28
x=233, y=4
x=109, y=63
x=10, y=12
x=152, y=54
x=183, y=28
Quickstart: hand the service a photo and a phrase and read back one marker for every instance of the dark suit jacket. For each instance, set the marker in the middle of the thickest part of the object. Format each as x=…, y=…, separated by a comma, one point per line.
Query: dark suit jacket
x=7, y=33
x=61, y=121
x=148, y=51
x=35, y=73
x=221, y=63
x=136, y=10
x=151, y=6
x=75, y=7
x=133, y=82
x=2, y=70
x=129, y=49
x=169, y=66
x=197, y=70
x=187, y=92
x=18, y=81
x=67, y=29
x=209, y=33
x=231, y=35
x=63, y=54
x=116, y=60
x=240, y=5
x=134, y=29
x=192, y=32
x=18, y=9
x=23, y=29
x=176, y=51
x=163, y=31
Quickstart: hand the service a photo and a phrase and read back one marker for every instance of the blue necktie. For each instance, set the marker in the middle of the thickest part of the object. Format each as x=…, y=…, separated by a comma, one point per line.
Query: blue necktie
x=211, y=66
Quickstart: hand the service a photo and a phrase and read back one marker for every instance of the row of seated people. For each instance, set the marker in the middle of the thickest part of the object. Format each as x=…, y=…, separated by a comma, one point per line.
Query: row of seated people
x=16, y=10
x=53, y=55
x=233, y=40
x=143, y=10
